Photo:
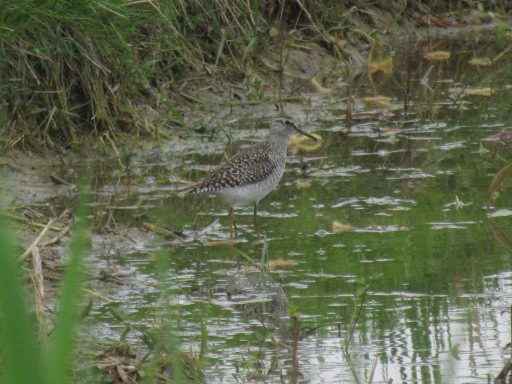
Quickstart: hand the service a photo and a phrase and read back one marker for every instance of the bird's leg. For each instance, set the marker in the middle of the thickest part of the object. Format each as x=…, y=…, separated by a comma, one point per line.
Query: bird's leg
x=195, y=223
x=232, y=224
x=256, y=221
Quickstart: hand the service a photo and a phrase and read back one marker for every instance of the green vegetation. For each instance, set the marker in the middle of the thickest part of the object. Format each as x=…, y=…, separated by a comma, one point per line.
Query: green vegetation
x=32, y=352
x=28, y=358
x=75, y=69
x=70, y=69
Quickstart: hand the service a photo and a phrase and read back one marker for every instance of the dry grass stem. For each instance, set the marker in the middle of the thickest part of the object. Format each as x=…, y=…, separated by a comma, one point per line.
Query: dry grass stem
x=38, y=240
x=38, y=286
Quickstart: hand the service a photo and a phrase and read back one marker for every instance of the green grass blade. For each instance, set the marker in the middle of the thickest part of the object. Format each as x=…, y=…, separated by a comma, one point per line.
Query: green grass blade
x=18, y=340
x=500, y=234
x=59, y=358
x=500, y=177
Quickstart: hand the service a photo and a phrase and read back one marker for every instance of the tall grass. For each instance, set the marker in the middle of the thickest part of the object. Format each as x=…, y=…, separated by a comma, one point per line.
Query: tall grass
x=69, y=68
x=80, y=67
x=27, y=359
x=20, y=351
x=75, y=68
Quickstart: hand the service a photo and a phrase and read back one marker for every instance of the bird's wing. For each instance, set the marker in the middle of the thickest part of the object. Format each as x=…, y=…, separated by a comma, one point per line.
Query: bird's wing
x=246, y=167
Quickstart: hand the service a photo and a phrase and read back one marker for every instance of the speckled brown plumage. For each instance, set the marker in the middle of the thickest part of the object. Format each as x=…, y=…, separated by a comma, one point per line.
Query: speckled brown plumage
x=246, y=167
x=251, y=174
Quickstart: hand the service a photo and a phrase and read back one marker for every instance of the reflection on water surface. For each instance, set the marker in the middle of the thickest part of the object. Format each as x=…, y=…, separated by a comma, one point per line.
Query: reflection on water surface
x=407, y=193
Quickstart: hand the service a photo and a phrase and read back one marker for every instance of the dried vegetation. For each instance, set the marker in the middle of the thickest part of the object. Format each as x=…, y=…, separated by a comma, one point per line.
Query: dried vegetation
x=77, y=69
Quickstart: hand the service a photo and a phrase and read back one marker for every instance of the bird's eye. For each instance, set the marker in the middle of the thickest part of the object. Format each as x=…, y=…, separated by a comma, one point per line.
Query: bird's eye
x=287, y=122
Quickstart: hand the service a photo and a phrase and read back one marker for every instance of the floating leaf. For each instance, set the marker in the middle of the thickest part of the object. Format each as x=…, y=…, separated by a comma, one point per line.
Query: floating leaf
x=303, y=143
x=385, y=66
x=338, y=227
x=500, y=177
x=273, y=264
x=302, y=184
x=381, y=100
x=386, y=129
x=318, y=87
x=481, y=61
x=479, y=91
x=437, y=55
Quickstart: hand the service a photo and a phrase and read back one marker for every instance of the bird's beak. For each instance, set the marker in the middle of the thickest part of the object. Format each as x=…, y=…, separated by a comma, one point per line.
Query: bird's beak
x=304, y=133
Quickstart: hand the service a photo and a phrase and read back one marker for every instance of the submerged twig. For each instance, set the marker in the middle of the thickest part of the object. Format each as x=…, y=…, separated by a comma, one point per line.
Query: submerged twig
x=502, y=376
x=38, y=284
x=162, y=231
x=58, y=238
x=44, y=232
x=295, y=348
x=37, y=240
x=59, y=180
x=355, y=319
x=29, y=222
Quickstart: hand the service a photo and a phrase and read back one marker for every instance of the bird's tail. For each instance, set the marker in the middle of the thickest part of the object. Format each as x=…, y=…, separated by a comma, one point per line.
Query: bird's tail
x=185, y=191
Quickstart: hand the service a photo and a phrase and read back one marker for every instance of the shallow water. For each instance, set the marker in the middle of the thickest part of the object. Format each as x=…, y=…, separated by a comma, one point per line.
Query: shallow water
x=395, y=203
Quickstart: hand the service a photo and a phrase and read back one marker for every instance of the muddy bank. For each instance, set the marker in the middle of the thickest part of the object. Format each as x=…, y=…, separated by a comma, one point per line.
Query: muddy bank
x=224, y=96
x=216, y=110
